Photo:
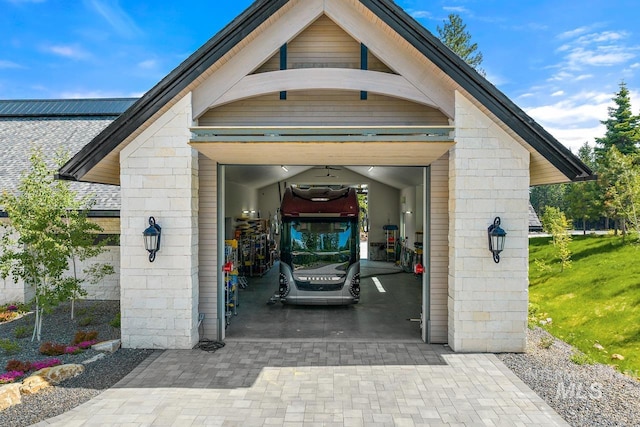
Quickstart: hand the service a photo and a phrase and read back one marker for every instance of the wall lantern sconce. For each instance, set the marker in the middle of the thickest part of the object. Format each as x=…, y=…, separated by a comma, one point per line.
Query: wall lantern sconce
x=152, y=238
x=496, y=239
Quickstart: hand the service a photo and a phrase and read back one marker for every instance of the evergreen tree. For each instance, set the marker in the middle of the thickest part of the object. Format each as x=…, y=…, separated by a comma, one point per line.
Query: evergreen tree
x=584, y=198
x=623, y=131
x=455, y=36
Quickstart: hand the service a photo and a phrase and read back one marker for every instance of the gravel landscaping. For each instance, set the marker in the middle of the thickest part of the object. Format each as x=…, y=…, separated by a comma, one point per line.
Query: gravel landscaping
x=584, y=395
x=59, y=328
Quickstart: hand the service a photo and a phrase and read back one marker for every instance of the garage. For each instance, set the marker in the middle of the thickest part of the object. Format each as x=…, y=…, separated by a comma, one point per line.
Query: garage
x=390, y=304
x=326, y=88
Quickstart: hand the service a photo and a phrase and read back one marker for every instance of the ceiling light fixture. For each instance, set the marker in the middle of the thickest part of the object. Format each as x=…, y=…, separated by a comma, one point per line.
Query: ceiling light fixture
x=371, y=168
x=284, y=168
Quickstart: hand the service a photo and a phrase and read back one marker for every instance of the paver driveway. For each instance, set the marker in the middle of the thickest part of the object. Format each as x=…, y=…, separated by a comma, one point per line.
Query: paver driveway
x=265, y=383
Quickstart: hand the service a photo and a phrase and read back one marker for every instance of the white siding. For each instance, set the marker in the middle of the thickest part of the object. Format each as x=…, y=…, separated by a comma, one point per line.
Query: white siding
x=208, y=235
x=323, y=108
x=439, y=249
x=323, y=45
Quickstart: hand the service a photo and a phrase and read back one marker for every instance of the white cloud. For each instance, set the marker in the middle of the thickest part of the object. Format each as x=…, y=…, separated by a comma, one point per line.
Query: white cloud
x=67, y=51
x=558, y=93
x=149, y=64
x=119, y=20
x=418, y=14
x=9, y=64
x=605, y=36
x=573, y=33
x=575, y=138
x=575, y=119
x=456, y=9
x=601, y=56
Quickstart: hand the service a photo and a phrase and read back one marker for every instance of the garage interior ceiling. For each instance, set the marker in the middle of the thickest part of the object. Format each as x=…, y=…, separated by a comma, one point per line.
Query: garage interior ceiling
x=258, y=176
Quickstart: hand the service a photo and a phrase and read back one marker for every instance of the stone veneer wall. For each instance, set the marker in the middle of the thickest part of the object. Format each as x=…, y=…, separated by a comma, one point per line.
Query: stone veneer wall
x=159, y=177
x=107, y=289
x=488, y=177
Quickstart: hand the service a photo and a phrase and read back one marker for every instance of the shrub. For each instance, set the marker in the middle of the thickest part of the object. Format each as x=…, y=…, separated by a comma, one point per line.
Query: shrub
x=115, y=322
x=9, y=346
x=52, y=349
x=17, y=365
x=9, y=377
x=546, y=342
x=580, y=358
x=81, y=336
x=22, y=331
x=85, y=321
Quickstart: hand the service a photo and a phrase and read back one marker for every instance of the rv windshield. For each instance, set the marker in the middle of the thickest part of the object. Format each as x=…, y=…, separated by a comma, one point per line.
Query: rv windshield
x=321, y=246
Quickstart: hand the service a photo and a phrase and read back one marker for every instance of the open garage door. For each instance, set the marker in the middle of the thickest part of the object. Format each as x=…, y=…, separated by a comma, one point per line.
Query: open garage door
x=394, y=302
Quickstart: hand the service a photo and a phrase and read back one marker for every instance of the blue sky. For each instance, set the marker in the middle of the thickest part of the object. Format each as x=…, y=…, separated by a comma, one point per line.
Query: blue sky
x=561, y=61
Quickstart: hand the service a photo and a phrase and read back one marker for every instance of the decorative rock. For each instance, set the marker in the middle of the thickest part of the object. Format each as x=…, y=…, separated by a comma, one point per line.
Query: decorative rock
x=598, y=346
x=48, y=376
x=617, y=356
x=9, y=396
x=33, y=384
x=94, y=359
x=107, y=346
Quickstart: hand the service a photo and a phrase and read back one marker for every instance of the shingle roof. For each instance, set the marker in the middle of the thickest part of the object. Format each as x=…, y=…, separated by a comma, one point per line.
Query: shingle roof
x=20, y=133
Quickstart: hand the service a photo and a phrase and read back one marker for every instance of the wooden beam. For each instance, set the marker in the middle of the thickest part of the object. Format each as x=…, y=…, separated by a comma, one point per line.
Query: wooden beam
x=387, y=84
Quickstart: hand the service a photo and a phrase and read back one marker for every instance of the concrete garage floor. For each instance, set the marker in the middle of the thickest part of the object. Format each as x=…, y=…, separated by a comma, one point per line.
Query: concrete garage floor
x=379, y=316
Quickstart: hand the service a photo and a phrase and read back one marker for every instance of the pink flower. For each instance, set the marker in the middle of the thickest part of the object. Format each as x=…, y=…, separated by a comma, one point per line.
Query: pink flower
x=86, y=344
x=72, y=349
x=9, y=377
x=12, y=308
x=47, y=363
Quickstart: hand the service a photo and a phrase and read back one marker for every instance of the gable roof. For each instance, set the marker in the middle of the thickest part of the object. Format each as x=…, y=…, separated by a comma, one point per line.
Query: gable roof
x=388, y=12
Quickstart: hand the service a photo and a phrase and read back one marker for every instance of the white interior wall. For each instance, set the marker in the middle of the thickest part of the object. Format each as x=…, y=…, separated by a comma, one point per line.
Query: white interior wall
x=239, y=198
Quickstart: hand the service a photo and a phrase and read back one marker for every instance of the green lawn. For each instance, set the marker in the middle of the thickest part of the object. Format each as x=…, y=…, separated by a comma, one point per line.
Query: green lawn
x=596, y=300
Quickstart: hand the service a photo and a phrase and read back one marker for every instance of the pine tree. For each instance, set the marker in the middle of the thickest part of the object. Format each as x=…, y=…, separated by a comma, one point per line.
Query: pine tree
x=585, y=198
x=455, y=36
x=623, y=131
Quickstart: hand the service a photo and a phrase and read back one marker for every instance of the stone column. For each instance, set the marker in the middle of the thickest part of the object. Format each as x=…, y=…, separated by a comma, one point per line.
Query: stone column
x=159, y=178
x=488, y=177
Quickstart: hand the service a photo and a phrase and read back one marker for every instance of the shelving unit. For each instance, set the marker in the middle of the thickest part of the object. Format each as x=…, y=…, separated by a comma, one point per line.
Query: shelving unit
x=391, y=235
x=230, y=269
x=254, y=246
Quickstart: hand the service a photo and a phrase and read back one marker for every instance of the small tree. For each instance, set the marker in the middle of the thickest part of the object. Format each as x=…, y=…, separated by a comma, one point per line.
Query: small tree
x=455, y=36
x=622, y=195
x=555, y=223
x=48, y=229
